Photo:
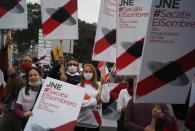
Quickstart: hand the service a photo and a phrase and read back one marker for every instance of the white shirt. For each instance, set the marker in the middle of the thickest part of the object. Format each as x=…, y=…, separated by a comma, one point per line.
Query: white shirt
x=86, y=117
x=123, y=99
x=27, y=101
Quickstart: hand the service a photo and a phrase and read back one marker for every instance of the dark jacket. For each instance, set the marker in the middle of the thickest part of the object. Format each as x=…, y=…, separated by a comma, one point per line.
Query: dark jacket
x=12, y=89
x=139, y=115
x=72, y=79
x=190, y=118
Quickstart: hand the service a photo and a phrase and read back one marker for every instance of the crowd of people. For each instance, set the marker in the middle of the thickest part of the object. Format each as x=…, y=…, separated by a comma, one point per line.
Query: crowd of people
x=24, y=84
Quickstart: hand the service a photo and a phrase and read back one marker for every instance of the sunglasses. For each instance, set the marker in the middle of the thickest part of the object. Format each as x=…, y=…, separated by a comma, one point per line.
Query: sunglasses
x=72, y=64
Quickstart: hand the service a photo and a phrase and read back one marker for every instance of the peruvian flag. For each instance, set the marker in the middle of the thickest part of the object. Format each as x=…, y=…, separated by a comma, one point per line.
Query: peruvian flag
x=105, y=40
x=59, y=19
x=103, y=69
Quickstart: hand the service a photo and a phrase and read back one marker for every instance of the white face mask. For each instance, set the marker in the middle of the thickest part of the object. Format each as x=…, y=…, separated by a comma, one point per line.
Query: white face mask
x=35, y=84
x=88, y=76
x=72, y=69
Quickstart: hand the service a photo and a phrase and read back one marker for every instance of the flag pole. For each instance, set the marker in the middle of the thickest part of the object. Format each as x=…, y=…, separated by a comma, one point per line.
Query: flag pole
x=62, y=69
x=10, y=48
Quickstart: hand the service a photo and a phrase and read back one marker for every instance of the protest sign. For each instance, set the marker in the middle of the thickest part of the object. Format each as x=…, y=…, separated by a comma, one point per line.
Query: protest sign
x=59, y=19
x=168, y=56
x=13, y=14
x=57, y=107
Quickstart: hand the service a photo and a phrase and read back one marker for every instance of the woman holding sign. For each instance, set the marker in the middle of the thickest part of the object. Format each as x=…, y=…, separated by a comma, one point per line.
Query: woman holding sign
x=138, y=117
x=91, y=111
x=28, y=95
x=124, y=96
x=190, y=118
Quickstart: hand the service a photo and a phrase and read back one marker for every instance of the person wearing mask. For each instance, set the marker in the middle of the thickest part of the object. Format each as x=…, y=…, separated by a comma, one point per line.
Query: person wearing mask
x=25, y=65
x=190, y=118
x=124, y=96
x=28, y=95
x=89, y=118
x=71, y=75
x=138, y=117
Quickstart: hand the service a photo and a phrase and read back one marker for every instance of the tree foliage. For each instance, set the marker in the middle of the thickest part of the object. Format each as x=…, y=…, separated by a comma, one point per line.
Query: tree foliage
x=27, y=37
x=84, y=46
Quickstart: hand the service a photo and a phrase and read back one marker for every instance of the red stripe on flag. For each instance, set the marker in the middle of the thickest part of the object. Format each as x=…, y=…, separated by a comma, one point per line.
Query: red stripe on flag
x=115, y=92
x=2, y=12
x=101, y=45
x=66, y=127
x=124, y=60
x=50, y=24
x=97, y=117
x=152, y=83
x=71, y=6
x=13, y=4
x=101, y=64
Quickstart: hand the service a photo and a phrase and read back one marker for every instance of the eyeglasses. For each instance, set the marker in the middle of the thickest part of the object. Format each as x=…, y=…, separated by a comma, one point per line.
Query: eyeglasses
x=72, y=64
x=88, y=71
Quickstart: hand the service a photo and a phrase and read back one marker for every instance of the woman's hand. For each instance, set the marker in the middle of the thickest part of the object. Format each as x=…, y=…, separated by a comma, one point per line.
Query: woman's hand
x=28, y=113
x=98, y=98
x=63, y=77
x=149, y=128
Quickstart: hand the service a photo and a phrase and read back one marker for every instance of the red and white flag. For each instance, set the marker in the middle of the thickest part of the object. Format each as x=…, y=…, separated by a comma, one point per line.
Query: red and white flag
x=103, y=69
x=105, y=40
x=132, y=21
x=169, y=51
x=13, y=14
x=59, y=19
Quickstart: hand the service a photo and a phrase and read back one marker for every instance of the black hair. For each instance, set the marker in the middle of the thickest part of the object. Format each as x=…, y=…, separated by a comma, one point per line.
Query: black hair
x=72, y=58
x=130, y=82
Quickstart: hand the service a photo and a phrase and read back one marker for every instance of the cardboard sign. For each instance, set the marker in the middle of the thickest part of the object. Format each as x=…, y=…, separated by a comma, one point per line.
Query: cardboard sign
x=44, y=49
x=59, y=19
x=168, y=56
x=13, y=14
x=57, y=107
x=132, y=21
x=105, y=39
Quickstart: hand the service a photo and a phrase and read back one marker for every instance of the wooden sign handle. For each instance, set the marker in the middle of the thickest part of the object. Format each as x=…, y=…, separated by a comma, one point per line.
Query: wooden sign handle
x=10, y=48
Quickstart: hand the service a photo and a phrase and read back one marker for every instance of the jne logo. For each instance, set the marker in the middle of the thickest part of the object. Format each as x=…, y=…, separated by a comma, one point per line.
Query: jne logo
x=174, y=4
x=54, y=85
x=126, y=2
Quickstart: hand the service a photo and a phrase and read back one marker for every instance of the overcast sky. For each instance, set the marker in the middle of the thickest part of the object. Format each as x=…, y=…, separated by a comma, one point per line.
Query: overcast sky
x=88, y=10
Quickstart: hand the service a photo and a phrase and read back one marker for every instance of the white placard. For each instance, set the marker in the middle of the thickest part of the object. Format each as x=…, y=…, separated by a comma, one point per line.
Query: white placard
x=105, y=39
x=13, y=14
x=169, y=51
x=132, y=21
x=59, y=19
x=57, y=106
